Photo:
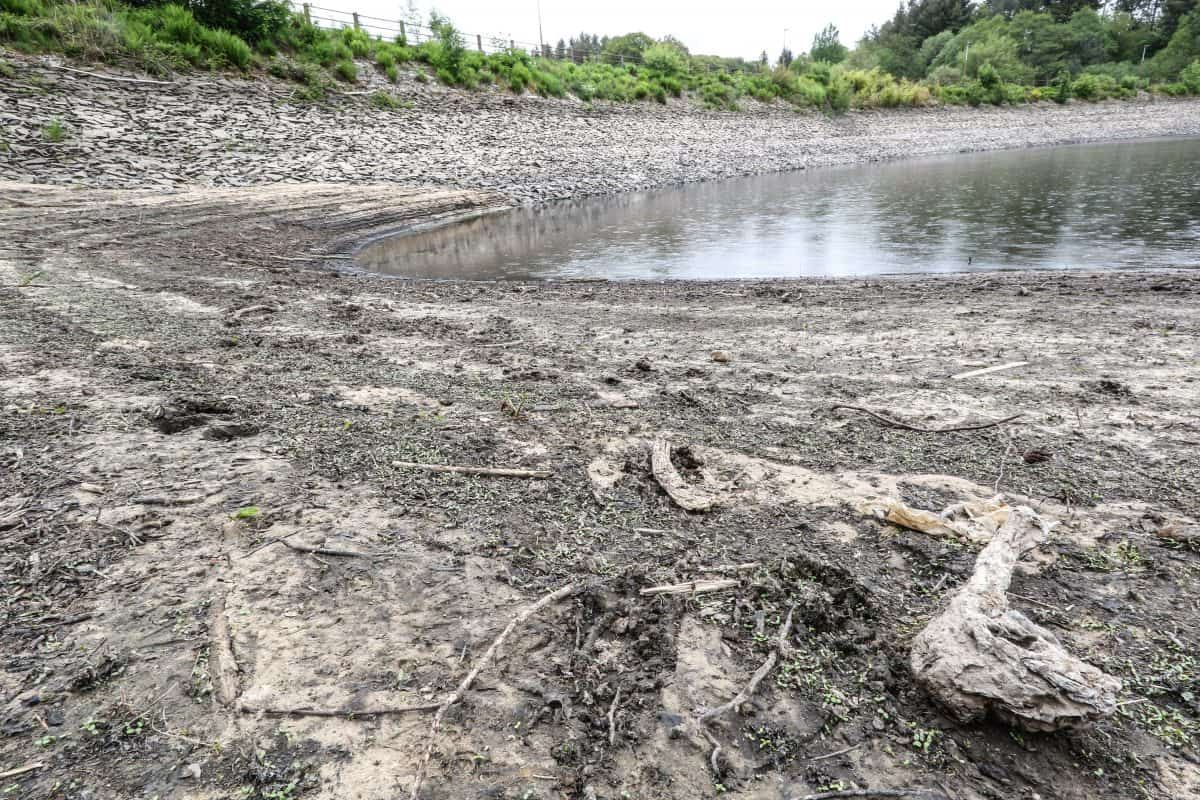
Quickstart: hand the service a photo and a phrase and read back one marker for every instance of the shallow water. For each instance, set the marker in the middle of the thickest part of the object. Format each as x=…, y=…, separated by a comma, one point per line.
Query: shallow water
x=1119, y=205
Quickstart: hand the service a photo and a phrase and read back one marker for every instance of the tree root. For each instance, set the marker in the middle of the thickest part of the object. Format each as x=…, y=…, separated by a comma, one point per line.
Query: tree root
x=457, y=694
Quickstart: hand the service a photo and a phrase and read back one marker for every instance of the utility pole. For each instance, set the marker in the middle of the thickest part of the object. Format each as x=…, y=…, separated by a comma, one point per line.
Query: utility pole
x=541, y=38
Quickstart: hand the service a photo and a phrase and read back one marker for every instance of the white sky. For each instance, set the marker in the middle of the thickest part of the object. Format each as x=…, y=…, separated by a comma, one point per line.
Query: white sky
x=727, y=29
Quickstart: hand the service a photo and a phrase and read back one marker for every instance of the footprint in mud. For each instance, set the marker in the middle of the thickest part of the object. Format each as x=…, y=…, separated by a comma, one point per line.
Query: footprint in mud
x=185, y=413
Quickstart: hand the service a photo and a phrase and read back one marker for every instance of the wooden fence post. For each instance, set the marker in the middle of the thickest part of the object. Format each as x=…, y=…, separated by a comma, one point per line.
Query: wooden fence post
x=403, y=35
x=355, y=15
x=479, y=42
x=307, y=14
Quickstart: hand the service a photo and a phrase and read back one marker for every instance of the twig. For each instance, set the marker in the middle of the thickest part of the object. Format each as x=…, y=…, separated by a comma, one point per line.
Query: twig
x=988, y=370
x=117, y=78
x=338, y=712
x=715, y=756
x=12, y=773
x=915, y=794
x=323, y=551
x=836, y=753
x=222, y=666
x=1000, y=476
x=612, y=718
x=241, y=312
x=691, y=587
x=457, y=694
x=895, y=423
x=756, y=679
x=498, y=472
x=276, y=540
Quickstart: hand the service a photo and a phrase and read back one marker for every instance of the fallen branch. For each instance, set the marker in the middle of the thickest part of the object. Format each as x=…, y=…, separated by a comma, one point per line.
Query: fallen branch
x=780, y=645
x=914, y=794
x=117, y=78
x=222, y=666
x=895, y=423
x=686, y=497
x=498, y=472
x=691, y=587
x=457, y=694
x=348, y=713
x=12, y=773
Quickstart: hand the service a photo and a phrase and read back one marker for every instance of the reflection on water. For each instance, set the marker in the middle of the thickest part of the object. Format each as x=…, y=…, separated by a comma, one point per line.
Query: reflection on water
x=1128, y=205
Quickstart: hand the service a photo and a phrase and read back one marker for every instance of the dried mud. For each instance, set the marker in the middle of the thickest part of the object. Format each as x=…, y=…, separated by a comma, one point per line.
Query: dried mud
x=186, y=378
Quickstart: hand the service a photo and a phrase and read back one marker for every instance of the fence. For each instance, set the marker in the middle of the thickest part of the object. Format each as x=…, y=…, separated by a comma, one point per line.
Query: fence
x=415, y=33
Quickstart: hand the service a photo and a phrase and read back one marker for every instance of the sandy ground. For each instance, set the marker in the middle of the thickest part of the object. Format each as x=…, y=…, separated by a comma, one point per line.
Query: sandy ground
x=187, y=379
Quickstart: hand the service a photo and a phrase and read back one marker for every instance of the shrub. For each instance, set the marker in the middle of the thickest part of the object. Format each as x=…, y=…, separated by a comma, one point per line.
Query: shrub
x=1190, y=77
x=55, y=131
x=665, y=59
x=1062, y=87
x=346, y=70
x=357, y=41
x=384, y=101
x=226, y=47
x=839, y=93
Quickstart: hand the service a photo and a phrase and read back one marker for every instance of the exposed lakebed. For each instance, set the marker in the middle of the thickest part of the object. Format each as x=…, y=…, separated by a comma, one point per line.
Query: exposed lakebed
x=1118, y=205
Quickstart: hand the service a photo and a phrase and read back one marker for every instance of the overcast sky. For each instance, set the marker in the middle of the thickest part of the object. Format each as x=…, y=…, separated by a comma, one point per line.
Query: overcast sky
x=727, y=29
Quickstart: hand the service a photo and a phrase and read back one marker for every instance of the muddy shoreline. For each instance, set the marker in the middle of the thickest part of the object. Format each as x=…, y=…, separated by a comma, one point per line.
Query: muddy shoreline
x=188, y=384
x=222, y=577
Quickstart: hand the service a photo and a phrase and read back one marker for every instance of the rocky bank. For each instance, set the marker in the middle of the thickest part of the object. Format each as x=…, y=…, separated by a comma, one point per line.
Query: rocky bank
x=220, y=131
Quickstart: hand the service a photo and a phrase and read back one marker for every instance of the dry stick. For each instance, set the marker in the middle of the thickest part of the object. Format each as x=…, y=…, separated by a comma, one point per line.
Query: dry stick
x=529, y=611
x=612, y=718
x=756, y=679
x=895, y=423
x=691, y=587
x=222, y=666
x=493, y=471
x=323, y=551
x=117, y=78
x=337, y=712
x=241, y=312
x=12, y=773
x=836, y=753
x=915, y=794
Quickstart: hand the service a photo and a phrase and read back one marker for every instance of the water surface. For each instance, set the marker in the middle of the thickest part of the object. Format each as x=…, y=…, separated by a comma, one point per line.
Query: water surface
x=1120, y=205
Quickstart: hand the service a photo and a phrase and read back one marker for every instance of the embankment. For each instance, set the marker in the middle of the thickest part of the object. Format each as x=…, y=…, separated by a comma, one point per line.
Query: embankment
x=212, y=131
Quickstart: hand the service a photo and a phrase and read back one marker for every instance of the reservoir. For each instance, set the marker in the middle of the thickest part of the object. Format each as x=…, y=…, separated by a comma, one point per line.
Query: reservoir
x=1125, y=205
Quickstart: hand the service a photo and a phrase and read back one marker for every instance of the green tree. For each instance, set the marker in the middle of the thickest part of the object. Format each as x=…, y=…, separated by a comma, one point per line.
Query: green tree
x=827, y=46
x=626, y=48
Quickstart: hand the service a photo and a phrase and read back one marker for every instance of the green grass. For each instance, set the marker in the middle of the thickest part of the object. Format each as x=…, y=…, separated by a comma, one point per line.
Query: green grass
x=55, y=131
x=161, y=39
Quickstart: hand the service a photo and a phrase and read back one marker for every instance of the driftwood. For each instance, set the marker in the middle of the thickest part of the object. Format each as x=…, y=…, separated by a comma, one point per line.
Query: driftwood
x=904, y=426
x=457, y=694
x=975, y=520
x=222, y=667
x=691, y=587
x=979, y=655
x=496, y=472
x=685, y=496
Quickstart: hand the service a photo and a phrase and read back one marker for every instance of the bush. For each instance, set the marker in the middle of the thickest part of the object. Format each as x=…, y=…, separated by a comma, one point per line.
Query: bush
x=227, y=47
x=1190, y=77
x=1062, y=88
x=665, y=59
x=384, y=101
x=346, y=70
